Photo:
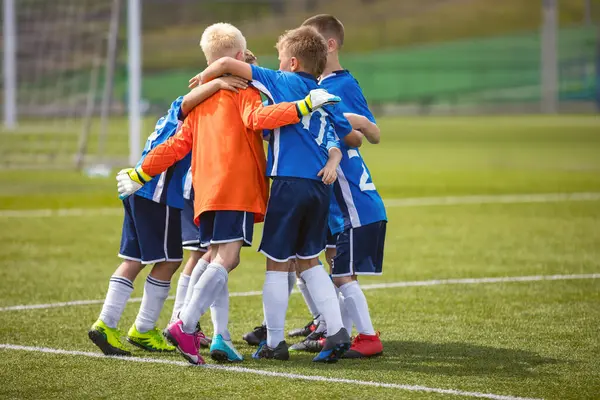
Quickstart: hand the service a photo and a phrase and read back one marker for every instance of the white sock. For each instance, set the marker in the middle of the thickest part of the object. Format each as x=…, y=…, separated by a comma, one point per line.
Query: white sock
x=182, y=288
x=194, y=277
x=204, y=294
x=356, y=304
x=291, y=282
x=219, y=313
x=323, y=293
x=275, y=303
x=312, y=307
x=346, y=318
x=119, y=291
x=155, y=294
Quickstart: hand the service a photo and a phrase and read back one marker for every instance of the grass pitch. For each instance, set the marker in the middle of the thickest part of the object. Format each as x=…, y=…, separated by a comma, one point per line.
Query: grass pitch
x=536, y=339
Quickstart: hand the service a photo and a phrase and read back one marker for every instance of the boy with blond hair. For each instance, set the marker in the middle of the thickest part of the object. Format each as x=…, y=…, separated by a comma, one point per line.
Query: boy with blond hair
x=296, y=221
x=228, y=173
x=151, y=235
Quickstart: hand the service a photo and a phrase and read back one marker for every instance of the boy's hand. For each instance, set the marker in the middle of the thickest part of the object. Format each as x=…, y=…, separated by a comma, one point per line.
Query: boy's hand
x=195, y=81
x=130, y=180
x=317, y=98
x=329, y=173
x=231, y=83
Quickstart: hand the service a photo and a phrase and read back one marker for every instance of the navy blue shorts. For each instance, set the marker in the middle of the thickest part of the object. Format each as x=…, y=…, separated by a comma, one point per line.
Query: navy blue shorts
x=331, y=239
x=296, y=220
x=190, y=234
x=360, y=251
x=226, y=227
x=151, y=231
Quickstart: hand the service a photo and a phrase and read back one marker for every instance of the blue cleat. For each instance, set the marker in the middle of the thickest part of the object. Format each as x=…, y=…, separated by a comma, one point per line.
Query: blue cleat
x=222, y=350
x=334, y=348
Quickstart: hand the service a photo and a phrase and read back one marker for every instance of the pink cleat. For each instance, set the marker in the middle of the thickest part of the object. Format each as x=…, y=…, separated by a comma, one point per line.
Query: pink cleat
x=188, y=344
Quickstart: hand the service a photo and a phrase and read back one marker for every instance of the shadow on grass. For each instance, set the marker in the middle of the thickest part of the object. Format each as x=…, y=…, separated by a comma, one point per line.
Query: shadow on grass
x=461, y=359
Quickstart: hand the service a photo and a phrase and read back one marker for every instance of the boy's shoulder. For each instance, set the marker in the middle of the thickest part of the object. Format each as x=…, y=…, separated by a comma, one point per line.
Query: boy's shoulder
x=342, y=79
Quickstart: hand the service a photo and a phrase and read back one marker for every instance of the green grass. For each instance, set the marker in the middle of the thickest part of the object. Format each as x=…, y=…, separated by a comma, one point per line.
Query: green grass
x=530, y=339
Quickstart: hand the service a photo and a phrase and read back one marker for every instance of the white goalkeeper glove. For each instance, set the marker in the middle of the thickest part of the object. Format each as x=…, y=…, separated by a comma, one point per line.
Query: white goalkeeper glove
x=316, y=99
x=130, y=180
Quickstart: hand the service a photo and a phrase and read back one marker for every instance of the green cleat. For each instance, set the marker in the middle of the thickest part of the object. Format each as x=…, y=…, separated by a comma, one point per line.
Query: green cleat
x=153, y=340
x=107, y=339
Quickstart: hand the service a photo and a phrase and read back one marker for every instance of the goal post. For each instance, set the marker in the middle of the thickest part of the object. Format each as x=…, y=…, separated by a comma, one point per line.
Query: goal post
x=60, y=66
x=10, y=65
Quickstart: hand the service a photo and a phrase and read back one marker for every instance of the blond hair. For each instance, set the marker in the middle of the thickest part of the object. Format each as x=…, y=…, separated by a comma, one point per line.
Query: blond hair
x=222, y=40
x=308, y=46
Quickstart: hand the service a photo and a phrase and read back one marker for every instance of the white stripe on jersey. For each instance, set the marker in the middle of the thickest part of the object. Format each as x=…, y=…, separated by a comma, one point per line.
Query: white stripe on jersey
x=187, y=185
x=347, y=195
x=262, y=88
x=276, y=134
x=160, y=185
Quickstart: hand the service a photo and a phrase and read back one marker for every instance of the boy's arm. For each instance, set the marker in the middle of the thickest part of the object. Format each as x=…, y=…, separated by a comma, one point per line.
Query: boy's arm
x=354, y=138
x=158, y=160
x=169, y=152
x=258, y=117
x=361, y=123
x=329, y=171
x=225, y=65
x=203, y=92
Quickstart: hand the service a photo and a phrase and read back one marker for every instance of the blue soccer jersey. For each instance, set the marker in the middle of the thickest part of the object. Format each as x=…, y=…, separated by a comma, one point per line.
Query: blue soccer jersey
x=166, y=188
x=354, y=190
x=299, y=150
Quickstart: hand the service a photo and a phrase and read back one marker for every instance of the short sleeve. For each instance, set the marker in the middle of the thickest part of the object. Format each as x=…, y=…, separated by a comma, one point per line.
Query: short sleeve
x=340, y=123
x=265, y=80
x=332, y=140
x=356, y=102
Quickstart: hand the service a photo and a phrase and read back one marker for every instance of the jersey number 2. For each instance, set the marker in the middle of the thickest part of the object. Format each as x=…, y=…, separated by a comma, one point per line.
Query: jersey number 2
x=364, y=186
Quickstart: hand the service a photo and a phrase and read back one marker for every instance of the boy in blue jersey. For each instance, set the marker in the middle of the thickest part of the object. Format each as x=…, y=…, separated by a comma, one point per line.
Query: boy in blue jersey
x=360, y=245
x=151, y=235
x=296, y=219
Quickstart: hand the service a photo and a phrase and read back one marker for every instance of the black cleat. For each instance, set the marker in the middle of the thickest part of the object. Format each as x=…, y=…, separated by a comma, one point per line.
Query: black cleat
x=334, y=348
x=256, y=336
x=304, y=331
x=278, y=353
x=313, y=343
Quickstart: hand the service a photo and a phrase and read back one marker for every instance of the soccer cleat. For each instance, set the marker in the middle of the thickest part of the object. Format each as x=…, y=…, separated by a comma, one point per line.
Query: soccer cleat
x=222, y=350
x=304, y=331
x=187, y=343
x=278, y=353
x=204, y=341
x=365, y=346
x=334, y=348
x=107, y=339
x=152, y=340
x=256, y=336
x=313, y=343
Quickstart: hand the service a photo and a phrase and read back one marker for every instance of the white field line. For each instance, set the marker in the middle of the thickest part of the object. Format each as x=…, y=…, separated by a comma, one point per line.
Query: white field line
x=403, y=202
x=374, y=286
x=314, y=378
x=492, y=199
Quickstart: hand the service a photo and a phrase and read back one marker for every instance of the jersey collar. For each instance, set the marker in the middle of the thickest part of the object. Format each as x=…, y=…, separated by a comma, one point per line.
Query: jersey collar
x=306, y=76
x=339, y=72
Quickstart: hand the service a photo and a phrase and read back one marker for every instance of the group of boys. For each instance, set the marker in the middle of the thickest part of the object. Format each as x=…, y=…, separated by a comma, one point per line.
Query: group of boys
x=211, y=140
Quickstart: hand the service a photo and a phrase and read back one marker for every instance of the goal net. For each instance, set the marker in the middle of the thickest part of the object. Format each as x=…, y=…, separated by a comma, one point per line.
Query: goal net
x=62, y=56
